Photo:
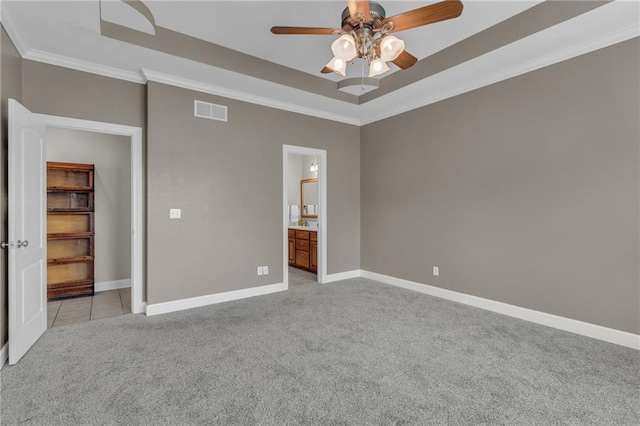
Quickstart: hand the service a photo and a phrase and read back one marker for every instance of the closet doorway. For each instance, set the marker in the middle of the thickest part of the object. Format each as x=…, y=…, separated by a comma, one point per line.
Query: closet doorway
x=116, y=152
x=88, y=225
x=304, y=215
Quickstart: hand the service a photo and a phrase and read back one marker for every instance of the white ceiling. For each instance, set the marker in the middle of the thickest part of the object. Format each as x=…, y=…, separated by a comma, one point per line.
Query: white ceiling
x=67, y=33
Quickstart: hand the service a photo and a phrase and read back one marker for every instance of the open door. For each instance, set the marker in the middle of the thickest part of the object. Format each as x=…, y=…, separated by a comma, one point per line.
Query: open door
x=27, y=230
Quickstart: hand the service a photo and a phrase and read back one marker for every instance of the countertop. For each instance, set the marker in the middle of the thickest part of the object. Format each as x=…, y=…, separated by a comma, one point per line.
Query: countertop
x=303, y=228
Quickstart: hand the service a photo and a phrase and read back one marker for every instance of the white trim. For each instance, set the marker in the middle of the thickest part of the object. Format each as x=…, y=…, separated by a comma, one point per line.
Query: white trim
x=347, y=275
x=321, y=154
x=610, y=335
x=4, y=355
x=85, y=66
x=197, y=86
x=111, y=285
x=212, y=299
x=137, y=229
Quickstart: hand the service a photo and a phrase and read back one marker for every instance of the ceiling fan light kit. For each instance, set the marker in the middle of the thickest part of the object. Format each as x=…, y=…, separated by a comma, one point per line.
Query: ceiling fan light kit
x=365, y=34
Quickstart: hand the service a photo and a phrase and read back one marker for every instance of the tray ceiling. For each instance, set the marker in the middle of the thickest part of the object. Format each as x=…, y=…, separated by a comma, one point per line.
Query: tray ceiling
x=283, y=71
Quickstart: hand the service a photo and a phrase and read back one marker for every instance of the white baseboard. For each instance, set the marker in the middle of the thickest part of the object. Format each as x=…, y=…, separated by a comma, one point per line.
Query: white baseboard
x=4, y=355
x=610, y=335
x=142, y=309
x=211, y=299
x=111, y=285
x=356, y=273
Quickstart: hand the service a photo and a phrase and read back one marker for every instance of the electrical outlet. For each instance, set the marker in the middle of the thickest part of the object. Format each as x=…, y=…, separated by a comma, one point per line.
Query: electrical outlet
x=175, y=213
x=265, y=270
x=259, y=270
x=436, y=271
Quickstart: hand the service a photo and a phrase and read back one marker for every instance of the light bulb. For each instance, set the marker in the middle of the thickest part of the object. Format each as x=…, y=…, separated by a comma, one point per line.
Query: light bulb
x=338, y=66
x=344, y=47
x=390, y=48
x=377, y=67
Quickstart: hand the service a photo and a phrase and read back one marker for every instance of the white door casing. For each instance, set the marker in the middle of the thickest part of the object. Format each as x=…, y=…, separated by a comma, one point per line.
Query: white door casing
x=27, y=265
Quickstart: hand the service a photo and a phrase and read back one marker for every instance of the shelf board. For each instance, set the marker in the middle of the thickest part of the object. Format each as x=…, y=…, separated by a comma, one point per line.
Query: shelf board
x=70, y=235
x=55, y=212
x=69, y=284
x=66, y=260
x=76, y=210
x=70, y=188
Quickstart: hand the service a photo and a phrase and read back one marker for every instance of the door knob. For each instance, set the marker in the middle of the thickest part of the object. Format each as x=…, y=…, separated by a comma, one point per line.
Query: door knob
x=24, y=243
x=4, y=245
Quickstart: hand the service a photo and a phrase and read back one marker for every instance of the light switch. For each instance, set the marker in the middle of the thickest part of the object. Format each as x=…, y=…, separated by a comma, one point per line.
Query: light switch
x=436, y=271
x=175, y=213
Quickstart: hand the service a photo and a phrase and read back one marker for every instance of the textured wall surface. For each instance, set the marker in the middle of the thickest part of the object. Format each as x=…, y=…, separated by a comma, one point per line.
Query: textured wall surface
x=227, y=178
x=524, y=192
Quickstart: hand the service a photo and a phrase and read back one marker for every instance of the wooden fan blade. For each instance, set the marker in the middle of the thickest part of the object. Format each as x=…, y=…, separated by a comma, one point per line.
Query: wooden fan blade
x=326, y=70
x=405, y=60
x=303, y=31
x=359, y=6
x=442, y=11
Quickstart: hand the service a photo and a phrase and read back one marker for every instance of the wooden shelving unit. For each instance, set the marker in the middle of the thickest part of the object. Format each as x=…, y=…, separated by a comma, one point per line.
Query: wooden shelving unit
x=70, y=226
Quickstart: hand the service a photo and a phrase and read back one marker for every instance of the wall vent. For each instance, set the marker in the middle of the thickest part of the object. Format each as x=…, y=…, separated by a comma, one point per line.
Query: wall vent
x=210, y=111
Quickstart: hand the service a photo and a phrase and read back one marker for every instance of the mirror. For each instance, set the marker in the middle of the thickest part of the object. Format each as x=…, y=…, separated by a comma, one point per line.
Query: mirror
x=309, y=197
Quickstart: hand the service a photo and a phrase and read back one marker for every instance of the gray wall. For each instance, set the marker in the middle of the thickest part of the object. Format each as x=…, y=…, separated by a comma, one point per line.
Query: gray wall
x=524, y=192
x=10, y=87
x=111, y=155
x=203, y=167
x=294, y=167
x=48, y=89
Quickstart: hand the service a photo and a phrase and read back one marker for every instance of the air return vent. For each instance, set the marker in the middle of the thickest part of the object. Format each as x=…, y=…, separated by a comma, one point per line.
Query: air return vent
x=210, y=111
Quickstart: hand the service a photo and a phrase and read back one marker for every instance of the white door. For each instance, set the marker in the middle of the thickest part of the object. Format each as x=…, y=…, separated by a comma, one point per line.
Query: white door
x=27, y=230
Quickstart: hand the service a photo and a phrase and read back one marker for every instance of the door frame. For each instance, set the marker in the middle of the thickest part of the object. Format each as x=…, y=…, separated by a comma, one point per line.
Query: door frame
x=321, y=154
x=137, y=223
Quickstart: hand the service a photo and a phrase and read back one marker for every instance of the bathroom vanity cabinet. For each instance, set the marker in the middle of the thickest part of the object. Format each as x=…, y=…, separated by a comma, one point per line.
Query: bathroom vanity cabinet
x=303, y=249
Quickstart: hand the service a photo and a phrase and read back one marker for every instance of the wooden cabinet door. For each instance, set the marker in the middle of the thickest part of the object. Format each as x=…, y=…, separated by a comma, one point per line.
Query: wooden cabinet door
x=302, y=259
x=314, y=255
x=292, y=250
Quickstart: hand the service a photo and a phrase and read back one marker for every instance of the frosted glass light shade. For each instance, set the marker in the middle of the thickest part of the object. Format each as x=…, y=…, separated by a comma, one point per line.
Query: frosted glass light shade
x=390, y=48
x=338, y=66
x=377, y=67
x=344, y=47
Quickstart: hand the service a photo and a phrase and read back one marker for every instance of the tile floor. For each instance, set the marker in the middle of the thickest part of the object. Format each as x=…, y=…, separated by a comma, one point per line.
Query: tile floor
x=101, y=305
x=301, y=277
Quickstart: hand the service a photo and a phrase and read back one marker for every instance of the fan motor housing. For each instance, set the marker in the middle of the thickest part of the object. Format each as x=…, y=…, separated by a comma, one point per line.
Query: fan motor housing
x=376, y=12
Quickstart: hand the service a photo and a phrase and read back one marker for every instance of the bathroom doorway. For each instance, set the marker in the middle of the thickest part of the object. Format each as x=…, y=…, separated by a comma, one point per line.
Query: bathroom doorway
x=304, y=216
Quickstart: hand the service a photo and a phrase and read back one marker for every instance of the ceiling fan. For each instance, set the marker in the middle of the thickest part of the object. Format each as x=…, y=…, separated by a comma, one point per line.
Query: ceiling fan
x=366, y=34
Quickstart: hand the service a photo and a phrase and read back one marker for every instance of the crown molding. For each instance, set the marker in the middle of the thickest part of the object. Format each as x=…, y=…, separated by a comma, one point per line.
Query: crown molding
x=80, y=65
x=582, y=48
x=197, y=86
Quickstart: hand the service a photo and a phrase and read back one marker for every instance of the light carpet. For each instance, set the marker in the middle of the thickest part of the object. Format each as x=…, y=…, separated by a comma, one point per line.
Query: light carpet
x=351, y=352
